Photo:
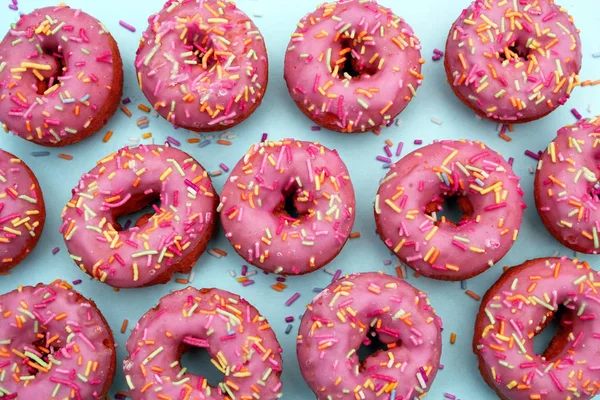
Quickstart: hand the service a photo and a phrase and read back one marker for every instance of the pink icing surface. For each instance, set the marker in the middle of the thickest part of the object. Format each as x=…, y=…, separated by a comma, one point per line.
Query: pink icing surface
x=567, y=188
x=239, y=340
x=270, y=238
x=382, y=49
x=337, y=322
x=81, y=360
x=513, y=314
x=202, y=65
x=436, y=247
x=22, y=212
x=72, y=100
x=137, y=256
x=514, y=61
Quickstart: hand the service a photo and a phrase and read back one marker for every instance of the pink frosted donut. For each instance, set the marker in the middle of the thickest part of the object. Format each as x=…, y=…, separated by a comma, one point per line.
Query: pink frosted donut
x=288, y=207
x=567, y=191
x=202, y=65
x=55, y=345
x=169, y=241
x=513, y=61
x=353, y=66
x=353, y=311
x=22, y=211
x=517, y=308
x=61, y=76
x=415, y=190
x=240, y=341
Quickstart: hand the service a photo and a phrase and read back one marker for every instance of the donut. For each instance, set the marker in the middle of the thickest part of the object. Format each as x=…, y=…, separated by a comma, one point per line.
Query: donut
x=513, y=61
x=518, y=307
x=202, y=65
x=419, y=187
x=22, y=211
x=238, y=338
x=567, y=189
x=55, y=345
x=161, y=244
x=353, y=66
x=358, y=309
x=61, y=76
x=288, y=207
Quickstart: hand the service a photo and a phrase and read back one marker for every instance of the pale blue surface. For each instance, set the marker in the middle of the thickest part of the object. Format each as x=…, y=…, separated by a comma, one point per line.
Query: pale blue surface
x=278, y=116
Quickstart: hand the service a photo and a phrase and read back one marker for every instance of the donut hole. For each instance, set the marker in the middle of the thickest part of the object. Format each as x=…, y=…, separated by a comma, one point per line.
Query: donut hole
x=137, y=211
x=43, y=350
x=348, y=66
x=202, y=47
x=289, y=205
x=517, y=51
x=551, y=337
x=196, y=361
x=55, y=57
x=453, y=209
x=371, y=345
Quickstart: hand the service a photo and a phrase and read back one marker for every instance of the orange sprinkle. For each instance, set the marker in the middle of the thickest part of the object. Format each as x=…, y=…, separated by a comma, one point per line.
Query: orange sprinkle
x=220, y=252
x=224, y=142
x=144, y=108
x=354, y=235
x=124, y=325
x=107, y=136
x=65, y=156
x=472, y=295
x=453, y=338
x=126, y=111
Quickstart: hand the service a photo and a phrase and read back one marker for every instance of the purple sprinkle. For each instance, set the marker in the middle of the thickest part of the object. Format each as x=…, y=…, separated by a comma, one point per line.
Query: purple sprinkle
x=315, y=128
x=13, y=7
x=204, y=144
x=192, y=185
x=126, y=100
x=511, y=161
x=248, y=282
x=292, y=299
x=503, y=129
x=387, y=262
x=120, y=396
x=449, y=396
x=336, y=275
x=384, y=159
x=418, y=141
x=224, y=167
x=127, y=225
x=127, y=26
x=288, y=329
x=77, y=282
x=289, y=319
x=55, y=250
x=399, y=149
x=244, y=270
x=438, y=52
x=387, y=151
x=280, y=279
x=531, y=154
x=264, y=137
x=576, y=114
x=173, y=141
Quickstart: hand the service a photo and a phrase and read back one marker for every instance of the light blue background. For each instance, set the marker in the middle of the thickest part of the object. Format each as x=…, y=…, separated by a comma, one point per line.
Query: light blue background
x=431, y=19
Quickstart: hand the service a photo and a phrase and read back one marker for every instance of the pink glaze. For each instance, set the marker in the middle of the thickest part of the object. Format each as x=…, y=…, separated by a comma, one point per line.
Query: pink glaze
x=522, y=84
x=136, y=257
x=514, y=313
x=337, y=322
x=382, y=49
x=436, y=247
x=567, y=189
x=80, y=359
x=240, y=341
x=202, y=64
x=72, y=100
x=269, y=237
x=22, y=211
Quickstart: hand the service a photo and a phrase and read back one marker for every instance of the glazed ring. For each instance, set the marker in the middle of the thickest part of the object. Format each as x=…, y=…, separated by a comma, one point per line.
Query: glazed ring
x=55, y=345
x=517, y=308
x=415, y=190
x=355, y=310
x=202, y=65
x=22, y=211
x=169, y=241
x=288, y=207
x=240, y=341
x=513, y=61
x=353, y=66
x=567, y=189
x=61, y=76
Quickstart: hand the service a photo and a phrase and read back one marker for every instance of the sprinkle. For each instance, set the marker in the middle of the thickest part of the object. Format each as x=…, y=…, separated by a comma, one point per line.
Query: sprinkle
x=436, y=121
x=126, y=26
x=472, y=295
x=292, y=299
x=55, y=250
x=65, y=156
x=40, y=153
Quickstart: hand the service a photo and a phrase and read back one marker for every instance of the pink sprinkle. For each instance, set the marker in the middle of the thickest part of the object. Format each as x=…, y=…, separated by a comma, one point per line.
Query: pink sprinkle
x=576, y=114
x=418, y=141
x=224, y=167
x=399, y=149
x=173, y=141
x=292, y=299
x=384, y=159
x=289, y=319
x=127, y=26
